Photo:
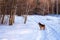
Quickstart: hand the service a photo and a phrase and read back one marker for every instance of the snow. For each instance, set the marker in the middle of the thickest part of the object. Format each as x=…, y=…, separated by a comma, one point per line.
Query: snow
x=31, y=30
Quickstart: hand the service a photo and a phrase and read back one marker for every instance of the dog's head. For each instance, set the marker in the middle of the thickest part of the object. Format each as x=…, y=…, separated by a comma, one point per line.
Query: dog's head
x=41, y=24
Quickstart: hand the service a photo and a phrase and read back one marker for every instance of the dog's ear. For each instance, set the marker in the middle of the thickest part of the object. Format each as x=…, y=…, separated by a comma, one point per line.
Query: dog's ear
x=39, y=23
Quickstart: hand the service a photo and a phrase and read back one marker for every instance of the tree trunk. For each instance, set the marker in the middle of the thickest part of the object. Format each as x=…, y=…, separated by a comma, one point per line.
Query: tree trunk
x=25, y=17
x=11, y=20
x=2, y=19
x=12, y=13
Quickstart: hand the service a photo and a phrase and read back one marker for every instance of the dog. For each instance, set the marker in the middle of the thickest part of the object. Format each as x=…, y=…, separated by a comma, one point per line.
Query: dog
x=42, y=26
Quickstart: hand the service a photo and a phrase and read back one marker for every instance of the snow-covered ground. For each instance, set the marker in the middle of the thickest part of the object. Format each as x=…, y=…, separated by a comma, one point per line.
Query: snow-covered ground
x=31, y=30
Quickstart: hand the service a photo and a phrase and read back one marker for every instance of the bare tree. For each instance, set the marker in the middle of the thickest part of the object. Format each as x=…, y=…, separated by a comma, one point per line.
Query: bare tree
x=12, y=11
x=27, y=10
x=8, y=7
x=3, y=11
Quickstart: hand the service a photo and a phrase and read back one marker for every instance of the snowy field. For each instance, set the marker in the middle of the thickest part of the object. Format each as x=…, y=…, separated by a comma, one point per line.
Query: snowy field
x=31, y=30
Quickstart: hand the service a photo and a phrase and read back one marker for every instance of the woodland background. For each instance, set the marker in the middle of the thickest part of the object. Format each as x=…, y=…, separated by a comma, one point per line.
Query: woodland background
x=31, y=6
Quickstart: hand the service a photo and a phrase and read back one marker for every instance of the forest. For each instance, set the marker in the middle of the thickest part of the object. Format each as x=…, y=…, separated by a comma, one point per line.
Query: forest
x=27, y=7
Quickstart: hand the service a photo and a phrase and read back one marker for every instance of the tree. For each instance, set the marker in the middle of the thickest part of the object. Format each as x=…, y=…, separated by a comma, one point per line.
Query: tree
x=12, y=11
x=3, y=10
x=8, y=7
